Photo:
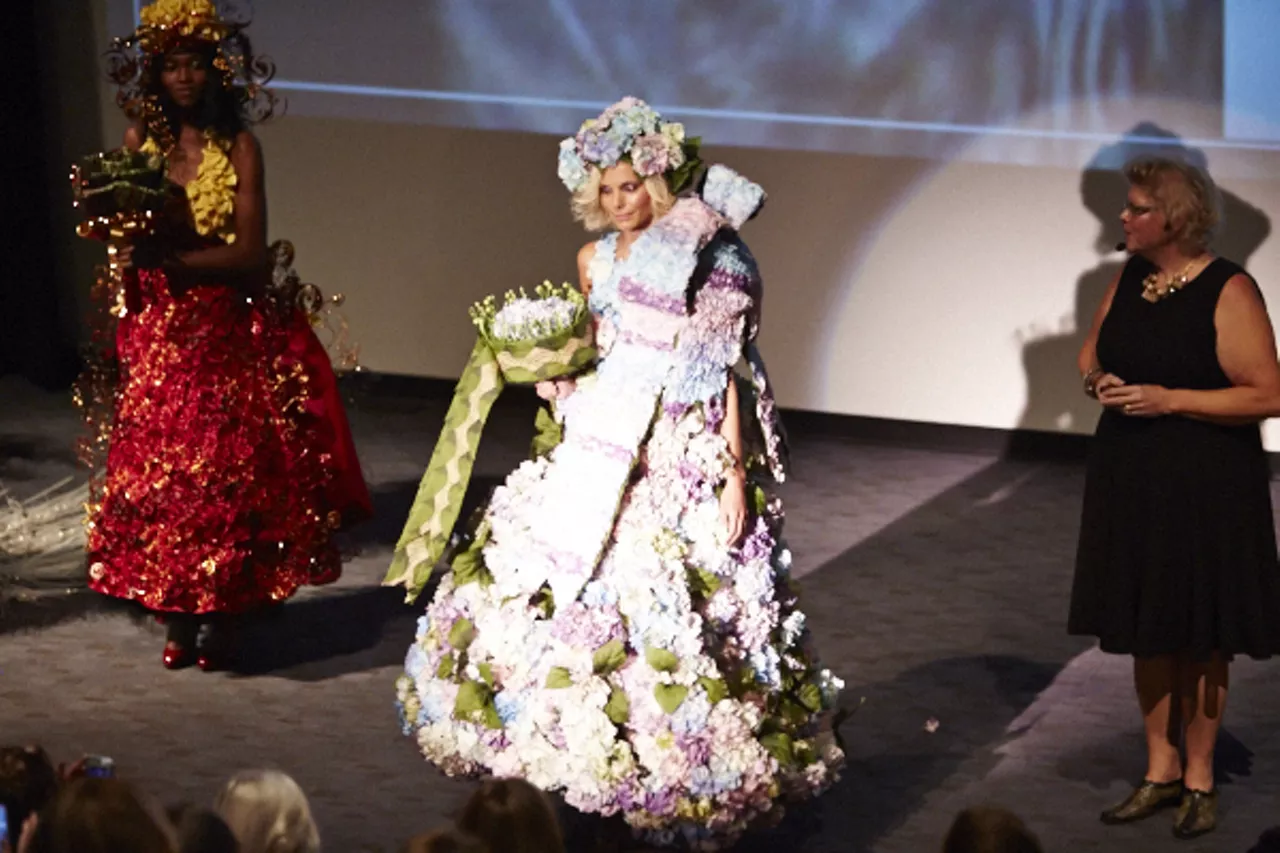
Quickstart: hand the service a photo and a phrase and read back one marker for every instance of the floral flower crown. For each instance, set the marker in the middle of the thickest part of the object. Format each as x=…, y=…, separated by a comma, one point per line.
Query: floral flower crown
x=630, y=130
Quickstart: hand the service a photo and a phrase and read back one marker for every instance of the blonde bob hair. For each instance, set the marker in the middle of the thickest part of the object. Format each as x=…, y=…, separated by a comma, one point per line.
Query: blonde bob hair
x=1185, y=195
x=588, y=210
x=268, y=813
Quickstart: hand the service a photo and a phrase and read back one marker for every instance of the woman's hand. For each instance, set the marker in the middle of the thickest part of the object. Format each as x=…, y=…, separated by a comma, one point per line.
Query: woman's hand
x=28, y=834
x=1142, y=401
x=733, y=507
x=143, y=254
x=555, y=389
x=68, y=772
x=1105, y=382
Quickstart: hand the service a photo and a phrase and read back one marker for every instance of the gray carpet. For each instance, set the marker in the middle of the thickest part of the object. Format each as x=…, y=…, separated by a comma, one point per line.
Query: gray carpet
x=936, y=584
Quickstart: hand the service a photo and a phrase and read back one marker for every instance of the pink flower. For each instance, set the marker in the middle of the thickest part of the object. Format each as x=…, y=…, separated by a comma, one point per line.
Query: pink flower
x=650, y=155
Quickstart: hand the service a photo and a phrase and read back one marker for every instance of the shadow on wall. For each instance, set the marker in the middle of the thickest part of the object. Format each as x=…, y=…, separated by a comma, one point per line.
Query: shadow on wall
x=1054, y=394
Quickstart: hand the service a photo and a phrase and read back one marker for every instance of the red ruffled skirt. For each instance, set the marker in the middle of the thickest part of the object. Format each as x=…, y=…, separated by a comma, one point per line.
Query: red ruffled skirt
x=231, y=463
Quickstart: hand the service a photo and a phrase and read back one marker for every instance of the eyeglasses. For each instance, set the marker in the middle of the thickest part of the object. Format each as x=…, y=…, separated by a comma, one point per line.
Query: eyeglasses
x=1136, y=210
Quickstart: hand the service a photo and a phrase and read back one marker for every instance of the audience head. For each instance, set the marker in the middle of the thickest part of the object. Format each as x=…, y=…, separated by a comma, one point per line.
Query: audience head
x=448, y=840
x=202, y=831
x=91, y=815
x=28, y=782
x=268, y=813
x=989, y=829
x=1268, y=842
x=512, y=816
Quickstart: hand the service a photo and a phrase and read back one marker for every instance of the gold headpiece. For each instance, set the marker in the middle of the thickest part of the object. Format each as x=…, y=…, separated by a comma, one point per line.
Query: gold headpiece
x=167, y=23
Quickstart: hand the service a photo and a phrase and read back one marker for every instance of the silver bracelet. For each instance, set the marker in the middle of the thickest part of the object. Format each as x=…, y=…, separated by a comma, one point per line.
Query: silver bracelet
x=1091, y=381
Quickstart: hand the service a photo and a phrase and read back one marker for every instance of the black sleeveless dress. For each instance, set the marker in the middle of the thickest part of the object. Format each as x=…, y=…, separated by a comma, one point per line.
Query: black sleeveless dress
x=1177, y=550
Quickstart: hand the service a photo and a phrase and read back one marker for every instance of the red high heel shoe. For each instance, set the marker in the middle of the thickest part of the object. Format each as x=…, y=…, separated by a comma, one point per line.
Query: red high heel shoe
x=177, y=656
x=217, y=647
x=180, y=640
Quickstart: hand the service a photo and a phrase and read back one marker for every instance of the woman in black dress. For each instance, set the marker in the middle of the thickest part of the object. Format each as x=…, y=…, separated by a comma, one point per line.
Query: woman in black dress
x=1177, y=560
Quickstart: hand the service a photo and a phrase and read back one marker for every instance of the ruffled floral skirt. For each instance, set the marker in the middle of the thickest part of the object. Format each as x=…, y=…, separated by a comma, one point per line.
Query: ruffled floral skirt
x=678, y=690
x=230, y=464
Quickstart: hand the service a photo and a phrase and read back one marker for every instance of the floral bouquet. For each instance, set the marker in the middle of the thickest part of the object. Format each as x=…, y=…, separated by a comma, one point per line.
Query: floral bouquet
x=119, y=193
x=533, y=339
x=530, y=339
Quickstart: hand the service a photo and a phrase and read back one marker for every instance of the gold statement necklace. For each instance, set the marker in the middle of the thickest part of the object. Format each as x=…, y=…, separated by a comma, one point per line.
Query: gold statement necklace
x=1153, y=289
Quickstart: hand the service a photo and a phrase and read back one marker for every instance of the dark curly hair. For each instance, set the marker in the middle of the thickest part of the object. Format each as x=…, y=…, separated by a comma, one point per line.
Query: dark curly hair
x=28, y=782
x=234, y=96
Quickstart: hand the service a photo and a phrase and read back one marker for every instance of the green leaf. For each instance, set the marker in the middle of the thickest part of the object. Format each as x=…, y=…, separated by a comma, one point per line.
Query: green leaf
x=475, y=705
x=742, y=681
x=545, y=601
x=462, y=633
x=670, y=696
x=486, y=672
x=608, y=658
x=468, y=567
x=618, y=708
x=558, y=678
x=681, y=175
x=779, y=746
x=810, y=696
x=661, y=659
x=481, y=537
x=793, y=712
x=472, y=697
x=715, y=687
x=548, y=433
x=445, y=669
x=702, y=582
x=759, y=500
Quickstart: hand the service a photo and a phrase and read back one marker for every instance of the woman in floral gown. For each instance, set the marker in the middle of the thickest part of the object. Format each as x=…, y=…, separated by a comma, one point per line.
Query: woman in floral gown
x=230, y=463
x=619, y=626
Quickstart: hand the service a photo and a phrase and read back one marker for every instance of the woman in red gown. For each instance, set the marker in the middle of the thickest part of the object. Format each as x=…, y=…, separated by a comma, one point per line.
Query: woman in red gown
x=230, y=464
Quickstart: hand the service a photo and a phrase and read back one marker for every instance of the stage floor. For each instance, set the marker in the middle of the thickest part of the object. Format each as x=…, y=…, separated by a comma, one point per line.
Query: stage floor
x=936, y=585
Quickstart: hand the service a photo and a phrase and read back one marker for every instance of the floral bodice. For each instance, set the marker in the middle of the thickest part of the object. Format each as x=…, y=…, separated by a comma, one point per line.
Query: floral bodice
x=211, y=194
x=709, y=338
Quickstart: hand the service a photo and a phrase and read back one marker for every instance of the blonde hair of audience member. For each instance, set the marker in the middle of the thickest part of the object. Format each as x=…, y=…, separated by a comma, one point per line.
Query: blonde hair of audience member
x=990, y=829
x=90, y=815
x=447, y=840
x=268, y=813
x=512, y=816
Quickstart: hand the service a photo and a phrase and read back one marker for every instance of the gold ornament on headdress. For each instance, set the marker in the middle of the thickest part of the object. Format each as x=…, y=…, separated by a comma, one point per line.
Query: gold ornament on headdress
x=167, y=22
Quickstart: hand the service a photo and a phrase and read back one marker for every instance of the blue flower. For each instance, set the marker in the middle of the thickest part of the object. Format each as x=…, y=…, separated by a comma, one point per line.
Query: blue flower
x=433, y=710
x=765, y=662
x=603, y=149
x=598, y=594
x=415, y=660
x=570, y=168
x=406, y=728
x=508, y=705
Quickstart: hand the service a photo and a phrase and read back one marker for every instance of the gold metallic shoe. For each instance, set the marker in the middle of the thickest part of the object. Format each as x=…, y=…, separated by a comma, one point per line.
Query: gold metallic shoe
x=1145, y=800
x=1197, y=813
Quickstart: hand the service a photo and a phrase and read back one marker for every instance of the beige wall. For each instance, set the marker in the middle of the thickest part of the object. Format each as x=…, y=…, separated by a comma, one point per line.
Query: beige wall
x=931, y=291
